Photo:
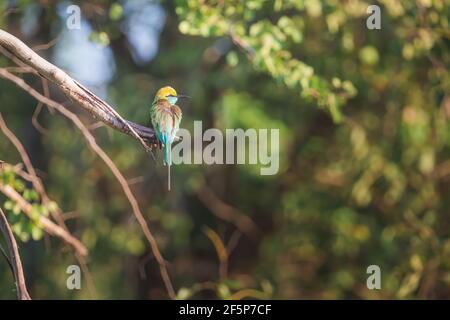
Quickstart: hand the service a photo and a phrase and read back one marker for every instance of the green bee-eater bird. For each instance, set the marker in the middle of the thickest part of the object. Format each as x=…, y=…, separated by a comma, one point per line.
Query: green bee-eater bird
x=166, y=118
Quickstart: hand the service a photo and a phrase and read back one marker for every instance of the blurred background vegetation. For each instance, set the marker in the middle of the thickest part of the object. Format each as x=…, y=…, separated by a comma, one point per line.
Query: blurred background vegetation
x=364, y=148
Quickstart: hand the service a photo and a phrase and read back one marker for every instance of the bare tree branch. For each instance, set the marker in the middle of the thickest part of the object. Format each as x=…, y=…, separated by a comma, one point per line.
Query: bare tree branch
x=37, y=183
x=49, y=226
x=31, y=176
x=120, y=178
x=35, y=180
x=22, y=292
x=221, y=250
x=76, y=92
x=226, y=212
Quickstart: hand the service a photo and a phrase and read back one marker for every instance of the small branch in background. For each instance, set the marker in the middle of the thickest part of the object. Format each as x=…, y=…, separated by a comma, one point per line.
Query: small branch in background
x=23, y=69
x=135, y=180
x=222, y=253
x=39, y=107
x=244, y=46
x=32, y=177
x=226, y=212
x=232, y=243
x=105, y=158
x=249, y=293
x=17, y=169
x=98, y=109
x=49, y=226
x=16, y=263
x=35, y=121
x=48, y=45
x=70, y=215
x=76, y=92
x=37, y=184
x=95, y=125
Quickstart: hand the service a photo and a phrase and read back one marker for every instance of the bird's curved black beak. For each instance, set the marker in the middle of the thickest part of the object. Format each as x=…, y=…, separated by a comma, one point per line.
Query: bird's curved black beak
x=183, y=96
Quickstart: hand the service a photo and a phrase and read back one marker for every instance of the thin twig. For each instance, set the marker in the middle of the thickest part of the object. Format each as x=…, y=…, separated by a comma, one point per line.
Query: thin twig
x=35, y=120
x=37, y=184
x=22, y=292
x=46, y=46
x=49, y=226
x=226, y=212
x=233, y=241
x=105, y=158
x=32, y=176
x=80, y=95
x=221, y=250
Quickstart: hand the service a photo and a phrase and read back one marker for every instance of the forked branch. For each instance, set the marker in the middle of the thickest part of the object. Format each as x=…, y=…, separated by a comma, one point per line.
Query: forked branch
x=16, y=263
x=76, y=92
x=99, y=151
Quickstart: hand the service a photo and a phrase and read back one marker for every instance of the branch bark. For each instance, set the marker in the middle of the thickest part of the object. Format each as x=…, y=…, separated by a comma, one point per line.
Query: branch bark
x=49, y=226
x=120, y=178
x=22, y=292
x=76, y=92
x=226, y=212
x=98, y=109
x=32, y=177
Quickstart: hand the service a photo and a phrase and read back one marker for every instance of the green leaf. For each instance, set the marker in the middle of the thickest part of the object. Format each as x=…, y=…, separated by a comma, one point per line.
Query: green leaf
x=36, y=233
x=8, y=205
x=35, y=212
x=115, y=11
x=184, y=293
x=16, y=209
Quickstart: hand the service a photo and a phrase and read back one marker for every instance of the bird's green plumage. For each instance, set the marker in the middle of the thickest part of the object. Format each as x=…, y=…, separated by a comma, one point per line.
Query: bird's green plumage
x=166, y=118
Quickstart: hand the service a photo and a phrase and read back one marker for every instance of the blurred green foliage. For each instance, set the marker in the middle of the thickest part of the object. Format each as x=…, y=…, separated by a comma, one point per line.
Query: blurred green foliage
x=24, y=227
x=269, y=38
x=364, y=153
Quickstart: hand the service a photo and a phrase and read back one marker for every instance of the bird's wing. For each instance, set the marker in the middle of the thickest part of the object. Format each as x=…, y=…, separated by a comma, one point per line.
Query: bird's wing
x=176, y=115
x=166, y=120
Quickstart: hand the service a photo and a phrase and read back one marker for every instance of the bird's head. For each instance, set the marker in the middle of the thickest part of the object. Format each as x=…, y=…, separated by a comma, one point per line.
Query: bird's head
x=168, y=93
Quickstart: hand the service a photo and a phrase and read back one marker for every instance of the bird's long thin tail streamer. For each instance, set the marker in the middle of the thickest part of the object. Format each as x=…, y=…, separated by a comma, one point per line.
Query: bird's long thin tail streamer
x=168, y=177
x=168, y=160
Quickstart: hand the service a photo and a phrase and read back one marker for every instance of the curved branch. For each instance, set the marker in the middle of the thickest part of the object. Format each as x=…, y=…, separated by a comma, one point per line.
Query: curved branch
x=16, y=263
x=32, y=177
x=49, y=226
x=226, y=212
x=120, y=178
x=37, y=183
x=98, y=109
x=76, y=92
